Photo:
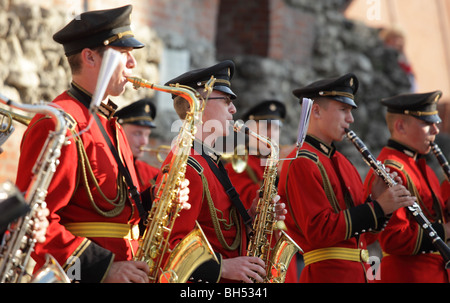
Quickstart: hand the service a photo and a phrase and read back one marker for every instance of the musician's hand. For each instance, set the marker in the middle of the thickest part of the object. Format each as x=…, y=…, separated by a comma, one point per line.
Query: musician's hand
x=40, y=224
x=394, y=198
x=127, y=272
x=183, y=195
x=245, y=269
x=280, y=208
x=379, y=185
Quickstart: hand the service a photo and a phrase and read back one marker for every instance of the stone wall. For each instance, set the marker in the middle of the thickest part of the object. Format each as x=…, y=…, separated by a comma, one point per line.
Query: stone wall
x=35, y=69
x=282, y=45
x=332, y=45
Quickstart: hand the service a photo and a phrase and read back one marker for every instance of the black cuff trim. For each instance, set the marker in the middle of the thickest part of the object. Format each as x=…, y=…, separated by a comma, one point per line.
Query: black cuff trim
x=382, y=219
x=364, y=218
x=94, y=263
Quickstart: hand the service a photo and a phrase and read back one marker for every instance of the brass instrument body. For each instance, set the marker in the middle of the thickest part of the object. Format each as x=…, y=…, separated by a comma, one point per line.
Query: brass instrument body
x=238, y=158
x=278, y=257
x=154, y=244
x=441, y=159
x=157, y=150
x=16, y=252
x=50, y=272
x=414, y=209
x=13, y=116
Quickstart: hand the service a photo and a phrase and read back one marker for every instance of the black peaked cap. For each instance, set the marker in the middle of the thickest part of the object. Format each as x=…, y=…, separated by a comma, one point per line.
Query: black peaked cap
x=96, y=28
x=342, y=89
x=141, y=112
x=223, y=72
x=422, y=106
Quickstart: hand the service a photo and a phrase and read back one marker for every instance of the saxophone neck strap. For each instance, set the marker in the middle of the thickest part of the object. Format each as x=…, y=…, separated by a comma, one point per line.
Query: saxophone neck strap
x=131, y=187
x=221, y=174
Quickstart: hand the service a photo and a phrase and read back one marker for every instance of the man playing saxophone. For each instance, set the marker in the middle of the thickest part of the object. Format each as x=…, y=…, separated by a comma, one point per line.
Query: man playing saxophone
x=408, y=254
x=221, y=216
x=93, y=222
x=265, y=118
x=329, y=217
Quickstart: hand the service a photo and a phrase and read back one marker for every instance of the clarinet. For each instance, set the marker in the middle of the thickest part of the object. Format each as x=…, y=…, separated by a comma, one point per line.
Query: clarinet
x=414, y=209
x=441, y=159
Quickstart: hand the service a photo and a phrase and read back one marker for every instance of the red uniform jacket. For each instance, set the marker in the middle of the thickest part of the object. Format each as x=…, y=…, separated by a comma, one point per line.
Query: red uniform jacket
x=211, y=207
x=407, y=249
x=445, y=190
x=249, y=181
x=67, y=197
x=316, y=223
x=146, y=174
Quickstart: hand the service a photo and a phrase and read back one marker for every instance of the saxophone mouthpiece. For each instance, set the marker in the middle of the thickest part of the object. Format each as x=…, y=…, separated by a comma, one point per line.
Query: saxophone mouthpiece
x=134, y=81
x=239, y=126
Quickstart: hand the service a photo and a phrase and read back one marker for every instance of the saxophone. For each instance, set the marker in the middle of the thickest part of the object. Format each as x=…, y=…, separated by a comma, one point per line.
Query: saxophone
x=277, y=259
x=194, y=249
x=16, y=251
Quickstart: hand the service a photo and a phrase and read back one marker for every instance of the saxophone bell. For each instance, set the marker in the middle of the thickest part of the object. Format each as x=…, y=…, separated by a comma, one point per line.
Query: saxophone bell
x=284, y=251
x=51, y=272
x=188, y=255
x=238, y=158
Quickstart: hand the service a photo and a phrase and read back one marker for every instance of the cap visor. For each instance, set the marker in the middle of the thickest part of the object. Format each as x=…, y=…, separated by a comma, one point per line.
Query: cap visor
x=127, y=42
x=225, y=89
x=345, y=100
x=430, y=119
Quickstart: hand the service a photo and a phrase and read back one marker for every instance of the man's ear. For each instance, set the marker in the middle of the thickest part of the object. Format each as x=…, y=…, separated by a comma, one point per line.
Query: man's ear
x=89, y=57
x=400, y=126
x=316, y=110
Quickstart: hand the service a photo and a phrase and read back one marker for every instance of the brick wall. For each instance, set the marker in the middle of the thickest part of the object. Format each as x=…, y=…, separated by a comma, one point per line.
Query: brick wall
x=266, y=28
x=444, y=113
x=243, y=28
x=193, y=19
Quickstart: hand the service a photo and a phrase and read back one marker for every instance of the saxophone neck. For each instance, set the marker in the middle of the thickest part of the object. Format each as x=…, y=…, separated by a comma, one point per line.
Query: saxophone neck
x=239, y=126
x=188, y=93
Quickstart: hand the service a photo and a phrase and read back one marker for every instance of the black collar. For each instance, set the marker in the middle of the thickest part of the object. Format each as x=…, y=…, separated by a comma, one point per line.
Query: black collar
x=77, y=92
x=404, y=149
x=324, y=148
